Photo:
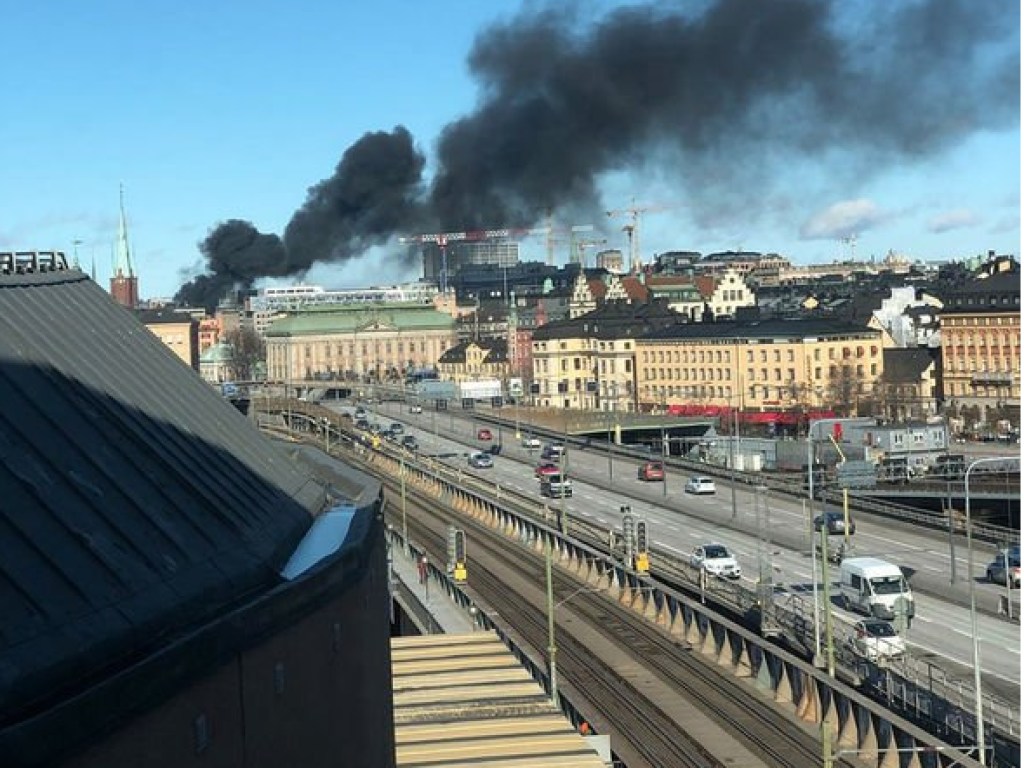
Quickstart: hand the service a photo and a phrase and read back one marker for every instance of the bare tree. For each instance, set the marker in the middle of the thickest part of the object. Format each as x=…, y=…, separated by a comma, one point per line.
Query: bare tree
x=844, y=389
x=250, y=353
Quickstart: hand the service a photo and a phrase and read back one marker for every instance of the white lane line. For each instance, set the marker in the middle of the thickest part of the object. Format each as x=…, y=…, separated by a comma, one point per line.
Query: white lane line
x=945, y=655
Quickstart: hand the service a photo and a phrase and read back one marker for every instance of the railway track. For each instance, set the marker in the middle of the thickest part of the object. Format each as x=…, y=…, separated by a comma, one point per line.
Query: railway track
x=508, y=579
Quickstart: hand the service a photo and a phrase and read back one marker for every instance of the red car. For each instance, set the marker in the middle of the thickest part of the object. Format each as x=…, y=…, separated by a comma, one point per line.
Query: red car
x=484, y=434
x=546, y=469
x=651, y=470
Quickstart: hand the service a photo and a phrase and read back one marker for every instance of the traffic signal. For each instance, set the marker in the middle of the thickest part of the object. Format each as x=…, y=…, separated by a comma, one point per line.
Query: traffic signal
x=460, y=546
x=641, y=535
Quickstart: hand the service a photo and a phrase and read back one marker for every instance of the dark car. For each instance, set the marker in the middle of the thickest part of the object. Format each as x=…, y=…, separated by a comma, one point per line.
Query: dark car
x=998, y=572
x=835, y=523
x=362, y=425
x=397, y=429
x=410, y=443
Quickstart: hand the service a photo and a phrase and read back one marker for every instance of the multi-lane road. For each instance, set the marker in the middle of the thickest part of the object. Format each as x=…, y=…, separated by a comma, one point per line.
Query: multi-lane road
x=677, y=522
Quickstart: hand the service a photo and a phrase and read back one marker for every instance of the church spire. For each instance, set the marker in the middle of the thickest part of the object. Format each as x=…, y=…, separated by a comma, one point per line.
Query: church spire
x=124, y=285
x=123, y=256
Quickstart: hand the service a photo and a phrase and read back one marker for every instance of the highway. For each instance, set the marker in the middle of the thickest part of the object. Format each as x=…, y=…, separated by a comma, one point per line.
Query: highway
x=678, y=522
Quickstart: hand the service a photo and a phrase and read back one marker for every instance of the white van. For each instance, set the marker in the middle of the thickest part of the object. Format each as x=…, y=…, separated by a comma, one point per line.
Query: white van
x=873, y=586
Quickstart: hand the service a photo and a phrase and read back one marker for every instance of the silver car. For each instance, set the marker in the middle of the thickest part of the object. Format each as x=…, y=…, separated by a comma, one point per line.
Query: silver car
x=700, y=485
x=877, y=640
x=716, y=560
x=481, y=461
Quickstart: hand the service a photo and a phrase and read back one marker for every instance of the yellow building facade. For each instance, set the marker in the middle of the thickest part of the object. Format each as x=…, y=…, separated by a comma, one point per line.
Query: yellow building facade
x=474, y=361
x=980, y=331
x=768, y=365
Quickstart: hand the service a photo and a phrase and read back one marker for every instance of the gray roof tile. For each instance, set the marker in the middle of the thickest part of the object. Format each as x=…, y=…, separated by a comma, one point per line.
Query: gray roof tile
x=134, y=500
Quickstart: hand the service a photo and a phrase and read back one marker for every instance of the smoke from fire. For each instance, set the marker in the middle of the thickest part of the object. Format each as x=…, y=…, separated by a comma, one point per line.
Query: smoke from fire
x=718, y=98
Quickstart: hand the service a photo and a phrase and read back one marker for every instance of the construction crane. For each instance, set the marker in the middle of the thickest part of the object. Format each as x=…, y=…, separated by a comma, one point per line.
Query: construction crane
x=632, y=230
x=580, y=253
x=442, y=239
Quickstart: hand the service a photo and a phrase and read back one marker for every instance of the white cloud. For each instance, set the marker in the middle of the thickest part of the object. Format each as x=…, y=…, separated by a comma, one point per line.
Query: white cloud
x=843, y=219
x=1006, y=224
x=956, y=218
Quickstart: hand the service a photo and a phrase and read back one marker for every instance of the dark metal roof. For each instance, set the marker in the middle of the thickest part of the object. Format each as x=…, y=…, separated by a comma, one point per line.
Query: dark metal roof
x=611, y=320
x=996, y=293
x=136, y=501
x=906, y=365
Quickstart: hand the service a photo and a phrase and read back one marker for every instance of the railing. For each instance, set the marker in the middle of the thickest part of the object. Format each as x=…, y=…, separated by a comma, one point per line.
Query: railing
x=788, y=610
x=994, y=534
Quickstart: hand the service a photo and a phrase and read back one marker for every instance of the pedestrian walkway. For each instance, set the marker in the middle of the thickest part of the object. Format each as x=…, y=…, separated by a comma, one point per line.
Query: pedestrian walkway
x=430, y=598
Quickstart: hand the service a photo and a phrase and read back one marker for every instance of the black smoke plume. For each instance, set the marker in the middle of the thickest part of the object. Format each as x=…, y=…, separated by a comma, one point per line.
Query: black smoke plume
x=719, y=98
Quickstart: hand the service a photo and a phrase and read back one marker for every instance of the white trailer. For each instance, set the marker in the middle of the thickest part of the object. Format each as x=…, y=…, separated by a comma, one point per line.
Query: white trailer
x=484, y=389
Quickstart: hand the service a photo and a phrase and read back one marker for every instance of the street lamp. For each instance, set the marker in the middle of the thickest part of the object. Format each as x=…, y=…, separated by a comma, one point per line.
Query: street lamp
x=405, y=527
x=975, y=651
x=552, y=647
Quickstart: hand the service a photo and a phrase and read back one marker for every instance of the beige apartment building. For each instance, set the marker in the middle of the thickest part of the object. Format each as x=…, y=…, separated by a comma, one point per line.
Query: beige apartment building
x=474, y=361
x=770, y=365
x=357, y=342
x=980, y=331
x=588, y=362
x=179, y=331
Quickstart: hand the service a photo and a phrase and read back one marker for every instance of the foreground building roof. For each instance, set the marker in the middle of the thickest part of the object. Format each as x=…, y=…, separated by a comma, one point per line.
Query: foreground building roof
x=137, y=502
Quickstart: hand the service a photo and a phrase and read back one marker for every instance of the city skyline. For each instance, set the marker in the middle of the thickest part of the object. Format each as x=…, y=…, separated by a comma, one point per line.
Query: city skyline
x=213, y=114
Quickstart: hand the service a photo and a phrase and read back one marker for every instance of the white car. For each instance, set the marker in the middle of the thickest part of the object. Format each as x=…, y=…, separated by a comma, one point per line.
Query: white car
x=716, y=559
x=700, y=485
x=877, y=640
x=415, y=409
x=531, y=442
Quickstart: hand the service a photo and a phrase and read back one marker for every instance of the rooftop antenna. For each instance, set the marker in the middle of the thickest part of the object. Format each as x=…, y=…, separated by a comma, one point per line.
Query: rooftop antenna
x=76, y=242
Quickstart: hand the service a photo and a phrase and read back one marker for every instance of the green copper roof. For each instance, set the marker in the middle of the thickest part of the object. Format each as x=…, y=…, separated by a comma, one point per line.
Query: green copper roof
x=349, y=319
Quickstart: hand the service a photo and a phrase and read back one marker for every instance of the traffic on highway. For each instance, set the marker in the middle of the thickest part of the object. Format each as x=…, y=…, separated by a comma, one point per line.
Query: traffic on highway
x=685, y=515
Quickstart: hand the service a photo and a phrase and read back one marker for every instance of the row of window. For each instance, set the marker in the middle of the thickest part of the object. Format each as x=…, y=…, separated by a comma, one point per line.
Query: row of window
x=776, y=355
x=577, y=364
x=976, y=321
x=753, y=374
x=378, y=346
x=542, y=346
x=993, y=338
x=754, y=393
x=970, y=389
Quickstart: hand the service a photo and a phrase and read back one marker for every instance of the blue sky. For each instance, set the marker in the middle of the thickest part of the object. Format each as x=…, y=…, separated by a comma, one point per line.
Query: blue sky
x=211, y=111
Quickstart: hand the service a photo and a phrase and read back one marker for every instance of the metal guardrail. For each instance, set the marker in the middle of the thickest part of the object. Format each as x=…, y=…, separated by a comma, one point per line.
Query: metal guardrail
x=788, y=611
x=993, y=534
